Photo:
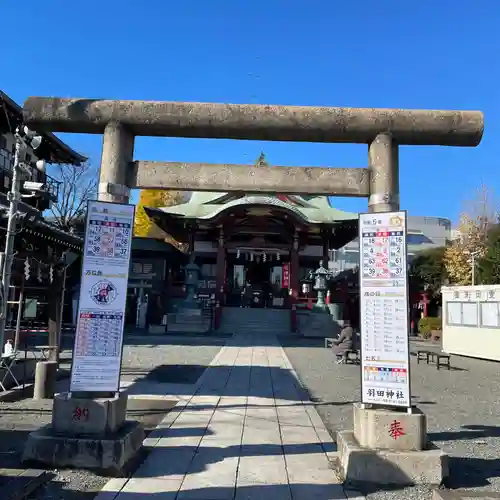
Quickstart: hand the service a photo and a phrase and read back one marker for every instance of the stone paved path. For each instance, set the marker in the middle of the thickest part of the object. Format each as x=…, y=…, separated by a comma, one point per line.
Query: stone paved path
x=247, y=432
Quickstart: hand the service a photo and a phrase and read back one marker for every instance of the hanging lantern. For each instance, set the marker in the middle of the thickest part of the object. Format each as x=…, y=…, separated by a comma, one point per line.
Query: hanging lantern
x=251, y=257
x=237, y=254
x=264, y=257
x=278, y=256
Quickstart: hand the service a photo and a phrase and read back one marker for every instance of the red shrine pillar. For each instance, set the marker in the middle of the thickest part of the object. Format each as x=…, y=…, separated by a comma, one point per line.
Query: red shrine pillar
x=424, y=301
x=220, y=278
x=344, y=293
x=325, y=258
x=294, y=280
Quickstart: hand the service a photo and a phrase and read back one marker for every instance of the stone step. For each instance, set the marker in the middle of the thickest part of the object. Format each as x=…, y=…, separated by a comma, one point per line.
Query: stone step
x=279, y=326
x=255, y=321
x=256, y=328
x=190, y=320
x=184, y=328
x=276, y=331
x=255, y=317
x=260, y=323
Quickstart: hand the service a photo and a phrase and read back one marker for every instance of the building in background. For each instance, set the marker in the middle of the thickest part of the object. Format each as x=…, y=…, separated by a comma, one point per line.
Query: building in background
x=39, y=244
x=423, y=233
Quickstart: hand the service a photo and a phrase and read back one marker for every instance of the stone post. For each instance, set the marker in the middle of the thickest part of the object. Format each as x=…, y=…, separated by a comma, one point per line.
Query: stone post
x=383, y=164
x=117, y=154
x=45, y=380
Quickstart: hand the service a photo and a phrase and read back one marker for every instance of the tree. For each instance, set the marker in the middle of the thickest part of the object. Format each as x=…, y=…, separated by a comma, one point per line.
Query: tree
x=484, y=205
x=489, y=265
x=475, y=223
x=77, y=186
x=155, y=198
x=458, y=256
x=427, y=271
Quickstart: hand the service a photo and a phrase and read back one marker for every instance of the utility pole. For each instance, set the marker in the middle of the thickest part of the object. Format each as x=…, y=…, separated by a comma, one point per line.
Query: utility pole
x=473, y=263
x=24, y=138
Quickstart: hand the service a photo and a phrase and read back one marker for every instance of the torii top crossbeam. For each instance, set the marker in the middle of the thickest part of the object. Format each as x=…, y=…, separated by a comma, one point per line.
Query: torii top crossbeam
x=382, y=129
x=256, y=122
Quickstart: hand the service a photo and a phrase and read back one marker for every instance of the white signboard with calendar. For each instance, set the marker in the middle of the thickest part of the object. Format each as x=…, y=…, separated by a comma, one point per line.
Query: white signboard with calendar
x=103, y=293
x=383, y=285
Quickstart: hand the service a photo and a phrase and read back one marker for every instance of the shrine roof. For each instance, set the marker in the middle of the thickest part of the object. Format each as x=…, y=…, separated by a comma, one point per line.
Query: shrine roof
x=52, y=149
x=207, y=205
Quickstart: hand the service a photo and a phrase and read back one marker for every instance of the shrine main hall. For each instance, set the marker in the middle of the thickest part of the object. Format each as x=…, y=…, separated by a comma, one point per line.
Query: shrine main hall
x=267, y=241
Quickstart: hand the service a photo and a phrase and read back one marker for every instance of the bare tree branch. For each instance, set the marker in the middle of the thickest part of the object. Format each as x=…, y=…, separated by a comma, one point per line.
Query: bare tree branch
x=483, y=207
x=77, y=186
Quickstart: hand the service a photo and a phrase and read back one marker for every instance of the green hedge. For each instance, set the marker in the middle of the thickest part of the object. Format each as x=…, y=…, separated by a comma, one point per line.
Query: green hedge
x=427, y=325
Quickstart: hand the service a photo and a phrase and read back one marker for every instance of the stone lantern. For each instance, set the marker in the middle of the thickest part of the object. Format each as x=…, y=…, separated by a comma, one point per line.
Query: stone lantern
x=321, y=278
x=192, y=274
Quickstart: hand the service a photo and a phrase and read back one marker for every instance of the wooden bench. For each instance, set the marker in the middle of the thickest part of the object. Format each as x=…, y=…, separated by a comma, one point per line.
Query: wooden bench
x=424, y=354
x=440, y=358
x=353, y=356
x=443, y=359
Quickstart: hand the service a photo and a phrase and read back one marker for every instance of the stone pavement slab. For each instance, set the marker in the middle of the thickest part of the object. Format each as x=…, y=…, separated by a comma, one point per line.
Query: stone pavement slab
x=248, y=431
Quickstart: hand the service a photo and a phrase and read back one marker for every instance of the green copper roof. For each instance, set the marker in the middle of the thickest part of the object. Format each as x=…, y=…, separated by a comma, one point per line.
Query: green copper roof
x=206, y=205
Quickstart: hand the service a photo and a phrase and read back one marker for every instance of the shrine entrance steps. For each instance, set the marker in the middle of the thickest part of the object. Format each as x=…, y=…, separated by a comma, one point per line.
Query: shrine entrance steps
x=254, y=321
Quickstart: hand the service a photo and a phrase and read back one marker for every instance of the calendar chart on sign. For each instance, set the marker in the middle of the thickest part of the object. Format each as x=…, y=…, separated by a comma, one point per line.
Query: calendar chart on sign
x=108, y=238
x=103, y=293
x=99, y=334
x=384, y=309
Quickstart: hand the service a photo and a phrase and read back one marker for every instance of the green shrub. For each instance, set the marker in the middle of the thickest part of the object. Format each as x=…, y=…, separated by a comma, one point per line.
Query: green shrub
x=429, y=324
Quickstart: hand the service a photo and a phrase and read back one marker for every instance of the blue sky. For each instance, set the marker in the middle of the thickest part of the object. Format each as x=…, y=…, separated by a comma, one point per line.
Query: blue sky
x=388, y=53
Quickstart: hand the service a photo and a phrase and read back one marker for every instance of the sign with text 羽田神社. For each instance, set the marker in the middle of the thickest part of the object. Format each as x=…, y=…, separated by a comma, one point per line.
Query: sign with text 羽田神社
x=103, y=293
x=383, y=285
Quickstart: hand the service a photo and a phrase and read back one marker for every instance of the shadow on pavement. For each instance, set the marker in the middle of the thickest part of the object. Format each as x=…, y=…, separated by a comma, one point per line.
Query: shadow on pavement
x=472, y=472
x=217, y=381
x=468, y=432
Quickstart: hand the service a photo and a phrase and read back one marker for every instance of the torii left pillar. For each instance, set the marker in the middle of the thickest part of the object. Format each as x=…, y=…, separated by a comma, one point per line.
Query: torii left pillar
x=117, y=154
x=83, y=422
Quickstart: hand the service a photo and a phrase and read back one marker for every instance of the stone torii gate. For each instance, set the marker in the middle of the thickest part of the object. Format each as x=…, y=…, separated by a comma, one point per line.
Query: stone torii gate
x=383, y=130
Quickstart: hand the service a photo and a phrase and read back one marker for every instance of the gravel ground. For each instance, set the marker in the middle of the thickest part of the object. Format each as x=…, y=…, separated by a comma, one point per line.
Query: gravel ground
x=462, y=407
x=156, y=361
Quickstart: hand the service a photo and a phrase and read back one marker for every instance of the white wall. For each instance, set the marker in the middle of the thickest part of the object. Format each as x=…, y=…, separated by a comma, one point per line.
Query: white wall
x=471, y=321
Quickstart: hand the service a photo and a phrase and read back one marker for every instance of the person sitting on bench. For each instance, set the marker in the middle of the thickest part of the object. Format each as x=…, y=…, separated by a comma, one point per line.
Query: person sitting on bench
x=343, y=343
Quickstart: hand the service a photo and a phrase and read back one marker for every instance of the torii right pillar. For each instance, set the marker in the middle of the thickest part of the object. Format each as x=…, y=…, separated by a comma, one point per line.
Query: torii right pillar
x=412, y=459
x=383, y=165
